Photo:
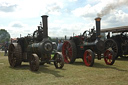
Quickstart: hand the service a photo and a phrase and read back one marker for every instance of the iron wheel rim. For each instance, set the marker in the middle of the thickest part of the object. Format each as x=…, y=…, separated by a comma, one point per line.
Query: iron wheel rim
x=11, y=56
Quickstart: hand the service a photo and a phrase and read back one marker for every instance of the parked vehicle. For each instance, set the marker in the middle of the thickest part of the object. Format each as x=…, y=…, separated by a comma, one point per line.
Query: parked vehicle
x=87, y=46
x=117, y=41
x=35, y=49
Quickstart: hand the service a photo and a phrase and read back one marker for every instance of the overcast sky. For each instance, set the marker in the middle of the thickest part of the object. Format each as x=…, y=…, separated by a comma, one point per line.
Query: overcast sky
x=65, y=16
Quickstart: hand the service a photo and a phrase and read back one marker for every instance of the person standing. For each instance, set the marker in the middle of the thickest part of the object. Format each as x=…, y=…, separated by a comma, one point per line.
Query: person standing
x=59, y=47
x=5, y=48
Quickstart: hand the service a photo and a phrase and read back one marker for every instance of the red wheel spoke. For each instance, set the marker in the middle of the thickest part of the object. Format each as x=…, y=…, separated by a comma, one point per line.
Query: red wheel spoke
x=89, y=58
x=110, y=60
x=70, y=55
x=110, y=56
x=69, y=49
x=64, y=49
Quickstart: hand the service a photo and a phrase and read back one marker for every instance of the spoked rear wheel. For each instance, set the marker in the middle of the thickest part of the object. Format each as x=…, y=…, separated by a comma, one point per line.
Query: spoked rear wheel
x=69, y=51
x=89, y=58
x=34, y=62
x=109, y=57
x=59, y=60
x=15, y=55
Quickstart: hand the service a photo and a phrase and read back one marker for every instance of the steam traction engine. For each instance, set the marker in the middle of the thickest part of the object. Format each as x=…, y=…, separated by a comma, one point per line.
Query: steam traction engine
x=87, y=46
x=35, y=49
x=118, y=42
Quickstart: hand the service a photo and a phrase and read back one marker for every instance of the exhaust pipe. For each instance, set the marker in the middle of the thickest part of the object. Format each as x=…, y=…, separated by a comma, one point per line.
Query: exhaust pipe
x=98, y=19
x=45, y=26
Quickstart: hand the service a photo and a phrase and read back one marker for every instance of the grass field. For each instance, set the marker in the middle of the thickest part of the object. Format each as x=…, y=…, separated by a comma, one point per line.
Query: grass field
x=71, y=74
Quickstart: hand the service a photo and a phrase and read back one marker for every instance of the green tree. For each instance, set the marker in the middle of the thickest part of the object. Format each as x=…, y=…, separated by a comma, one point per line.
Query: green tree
x=4, y=36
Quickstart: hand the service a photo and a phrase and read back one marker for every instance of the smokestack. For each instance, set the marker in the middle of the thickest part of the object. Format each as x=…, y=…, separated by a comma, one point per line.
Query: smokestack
x=45, y=26
x=98, y=27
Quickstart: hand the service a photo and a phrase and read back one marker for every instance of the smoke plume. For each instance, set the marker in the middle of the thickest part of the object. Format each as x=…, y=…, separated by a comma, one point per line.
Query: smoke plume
x=111, y=6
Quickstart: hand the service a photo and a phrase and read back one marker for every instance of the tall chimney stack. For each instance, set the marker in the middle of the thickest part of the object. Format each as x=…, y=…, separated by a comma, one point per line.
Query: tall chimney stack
x=98, y=27
x=45, y=26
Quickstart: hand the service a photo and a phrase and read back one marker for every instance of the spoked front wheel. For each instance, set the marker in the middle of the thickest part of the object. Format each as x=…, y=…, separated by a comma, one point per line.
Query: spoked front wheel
x=34, y=62
x=109, y=57
x=89, y=58
x=59, y=60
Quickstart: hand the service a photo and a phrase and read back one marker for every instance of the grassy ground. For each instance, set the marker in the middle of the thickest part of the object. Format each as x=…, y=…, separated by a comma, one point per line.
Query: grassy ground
x=71, y=74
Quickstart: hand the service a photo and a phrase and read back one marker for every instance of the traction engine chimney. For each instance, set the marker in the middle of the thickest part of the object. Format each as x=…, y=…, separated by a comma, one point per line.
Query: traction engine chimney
x=45, y=26
x=98, y=19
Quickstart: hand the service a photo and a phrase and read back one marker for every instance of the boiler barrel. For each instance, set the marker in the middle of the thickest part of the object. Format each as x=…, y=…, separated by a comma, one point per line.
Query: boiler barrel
x=41, y=48
x=97, y=45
